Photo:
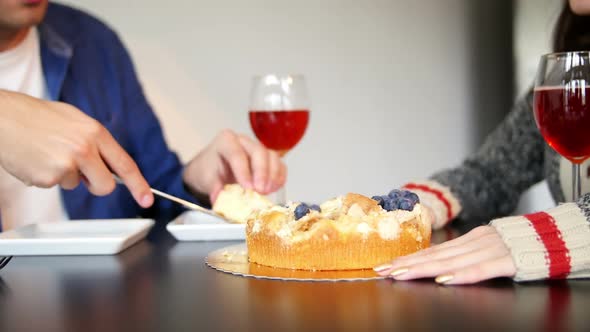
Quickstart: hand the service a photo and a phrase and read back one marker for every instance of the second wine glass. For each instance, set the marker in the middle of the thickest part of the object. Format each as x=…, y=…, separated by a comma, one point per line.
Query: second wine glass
x=562, y=107
x=279, y=114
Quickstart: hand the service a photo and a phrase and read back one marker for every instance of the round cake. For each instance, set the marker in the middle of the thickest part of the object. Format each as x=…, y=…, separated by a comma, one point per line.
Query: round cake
x=349, y=232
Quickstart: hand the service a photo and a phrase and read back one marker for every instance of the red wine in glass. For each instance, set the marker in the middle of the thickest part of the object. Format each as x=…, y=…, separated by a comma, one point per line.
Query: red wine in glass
x=563, y=117
x=279, y=130
x=279, y=114
x=561, y=106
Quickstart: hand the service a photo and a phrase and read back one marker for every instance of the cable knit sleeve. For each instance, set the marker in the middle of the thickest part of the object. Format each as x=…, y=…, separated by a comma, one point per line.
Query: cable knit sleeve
x=490, y=182
x=553, y=244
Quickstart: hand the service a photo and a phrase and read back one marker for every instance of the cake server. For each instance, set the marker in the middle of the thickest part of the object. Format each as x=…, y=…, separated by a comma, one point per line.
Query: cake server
x=185, y=203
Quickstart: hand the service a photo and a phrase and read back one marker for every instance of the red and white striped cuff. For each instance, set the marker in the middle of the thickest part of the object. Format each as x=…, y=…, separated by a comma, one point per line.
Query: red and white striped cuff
x=439, y=198
x=554, y=244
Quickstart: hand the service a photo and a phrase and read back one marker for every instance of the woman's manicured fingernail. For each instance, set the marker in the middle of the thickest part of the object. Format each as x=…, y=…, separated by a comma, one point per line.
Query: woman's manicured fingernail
x=399, y=272
x=443, y=279
x=382, y=267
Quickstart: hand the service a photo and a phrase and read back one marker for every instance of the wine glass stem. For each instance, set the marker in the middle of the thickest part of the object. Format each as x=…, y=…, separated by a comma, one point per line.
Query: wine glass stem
x=576, y=183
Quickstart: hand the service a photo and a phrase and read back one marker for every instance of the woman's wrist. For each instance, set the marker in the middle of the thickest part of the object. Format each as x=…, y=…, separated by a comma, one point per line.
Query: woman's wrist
x=444, y=205
x=554, y=244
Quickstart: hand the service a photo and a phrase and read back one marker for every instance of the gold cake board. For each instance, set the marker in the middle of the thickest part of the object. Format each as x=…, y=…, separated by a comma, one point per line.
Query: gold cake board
x=234, y=260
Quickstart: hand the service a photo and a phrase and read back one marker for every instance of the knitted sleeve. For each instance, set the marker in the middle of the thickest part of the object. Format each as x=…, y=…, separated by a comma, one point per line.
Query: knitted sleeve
x=552, y=244
x=489, y=183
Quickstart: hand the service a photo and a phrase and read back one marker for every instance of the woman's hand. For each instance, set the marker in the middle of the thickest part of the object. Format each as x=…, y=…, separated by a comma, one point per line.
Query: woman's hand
x=44, y=143
x=478, y=255
x=234, y=158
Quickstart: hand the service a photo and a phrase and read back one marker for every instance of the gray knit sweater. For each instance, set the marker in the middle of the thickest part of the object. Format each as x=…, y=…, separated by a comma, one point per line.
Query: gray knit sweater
x=513, y=158
x=547, y=244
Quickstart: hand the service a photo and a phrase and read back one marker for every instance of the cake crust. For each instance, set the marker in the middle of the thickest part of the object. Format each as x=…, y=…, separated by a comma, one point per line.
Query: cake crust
x=330, y=249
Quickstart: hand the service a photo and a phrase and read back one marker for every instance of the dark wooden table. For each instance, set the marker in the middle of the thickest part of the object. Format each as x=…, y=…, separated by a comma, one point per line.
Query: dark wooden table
x=163, y=285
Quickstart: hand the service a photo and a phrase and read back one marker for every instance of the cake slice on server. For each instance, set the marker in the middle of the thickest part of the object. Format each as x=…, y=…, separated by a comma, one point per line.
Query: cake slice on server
x=239, y=204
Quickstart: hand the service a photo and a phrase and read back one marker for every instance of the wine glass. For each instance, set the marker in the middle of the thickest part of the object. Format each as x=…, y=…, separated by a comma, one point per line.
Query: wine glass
x=279, y=113
x=562, y=107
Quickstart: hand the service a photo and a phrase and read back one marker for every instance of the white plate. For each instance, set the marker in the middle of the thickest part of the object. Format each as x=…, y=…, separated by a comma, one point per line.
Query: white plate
x=198, y=226
x=79, y=237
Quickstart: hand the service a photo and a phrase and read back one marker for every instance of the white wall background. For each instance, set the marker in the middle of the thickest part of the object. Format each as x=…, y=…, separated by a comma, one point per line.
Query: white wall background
x=534, y=22
x=390, y=93
x=390, y=80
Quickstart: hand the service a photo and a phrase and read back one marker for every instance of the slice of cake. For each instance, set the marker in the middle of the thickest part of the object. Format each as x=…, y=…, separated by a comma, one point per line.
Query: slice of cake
x=239, y=204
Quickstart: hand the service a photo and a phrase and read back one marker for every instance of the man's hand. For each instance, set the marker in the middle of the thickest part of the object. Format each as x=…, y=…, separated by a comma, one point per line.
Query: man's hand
x=45, y=143
x=232, y=158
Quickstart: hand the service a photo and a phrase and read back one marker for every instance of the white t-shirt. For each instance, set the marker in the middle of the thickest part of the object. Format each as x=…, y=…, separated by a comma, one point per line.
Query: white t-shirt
x=21, y=71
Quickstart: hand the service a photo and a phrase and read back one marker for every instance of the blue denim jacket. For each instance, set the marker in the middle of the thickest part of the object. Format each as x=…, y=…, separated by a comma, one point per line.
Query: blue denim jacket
x=86, y=65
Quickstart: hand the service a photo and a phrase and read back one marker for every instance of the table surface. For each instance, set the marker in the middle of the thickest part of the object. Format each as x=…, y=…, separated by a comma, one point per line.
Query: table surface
x=160, y=284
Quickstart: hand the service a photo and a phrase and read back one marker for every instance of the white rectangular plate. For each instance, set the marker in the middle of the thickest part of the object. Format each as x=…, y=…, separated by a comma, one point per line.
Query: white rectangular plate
x=77, y=237
x=198, y=226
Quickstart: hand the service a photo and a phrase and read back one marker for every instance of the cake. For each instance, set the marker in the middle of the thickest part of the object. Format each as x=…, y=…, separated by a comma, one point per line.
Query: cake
x=238, y=204
x=345, y=233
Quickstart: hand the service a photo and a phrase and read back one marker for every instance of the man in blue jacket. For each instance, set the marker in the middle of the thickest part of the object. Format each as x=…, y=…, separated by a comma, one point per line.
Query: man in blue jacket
x=60, y=54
